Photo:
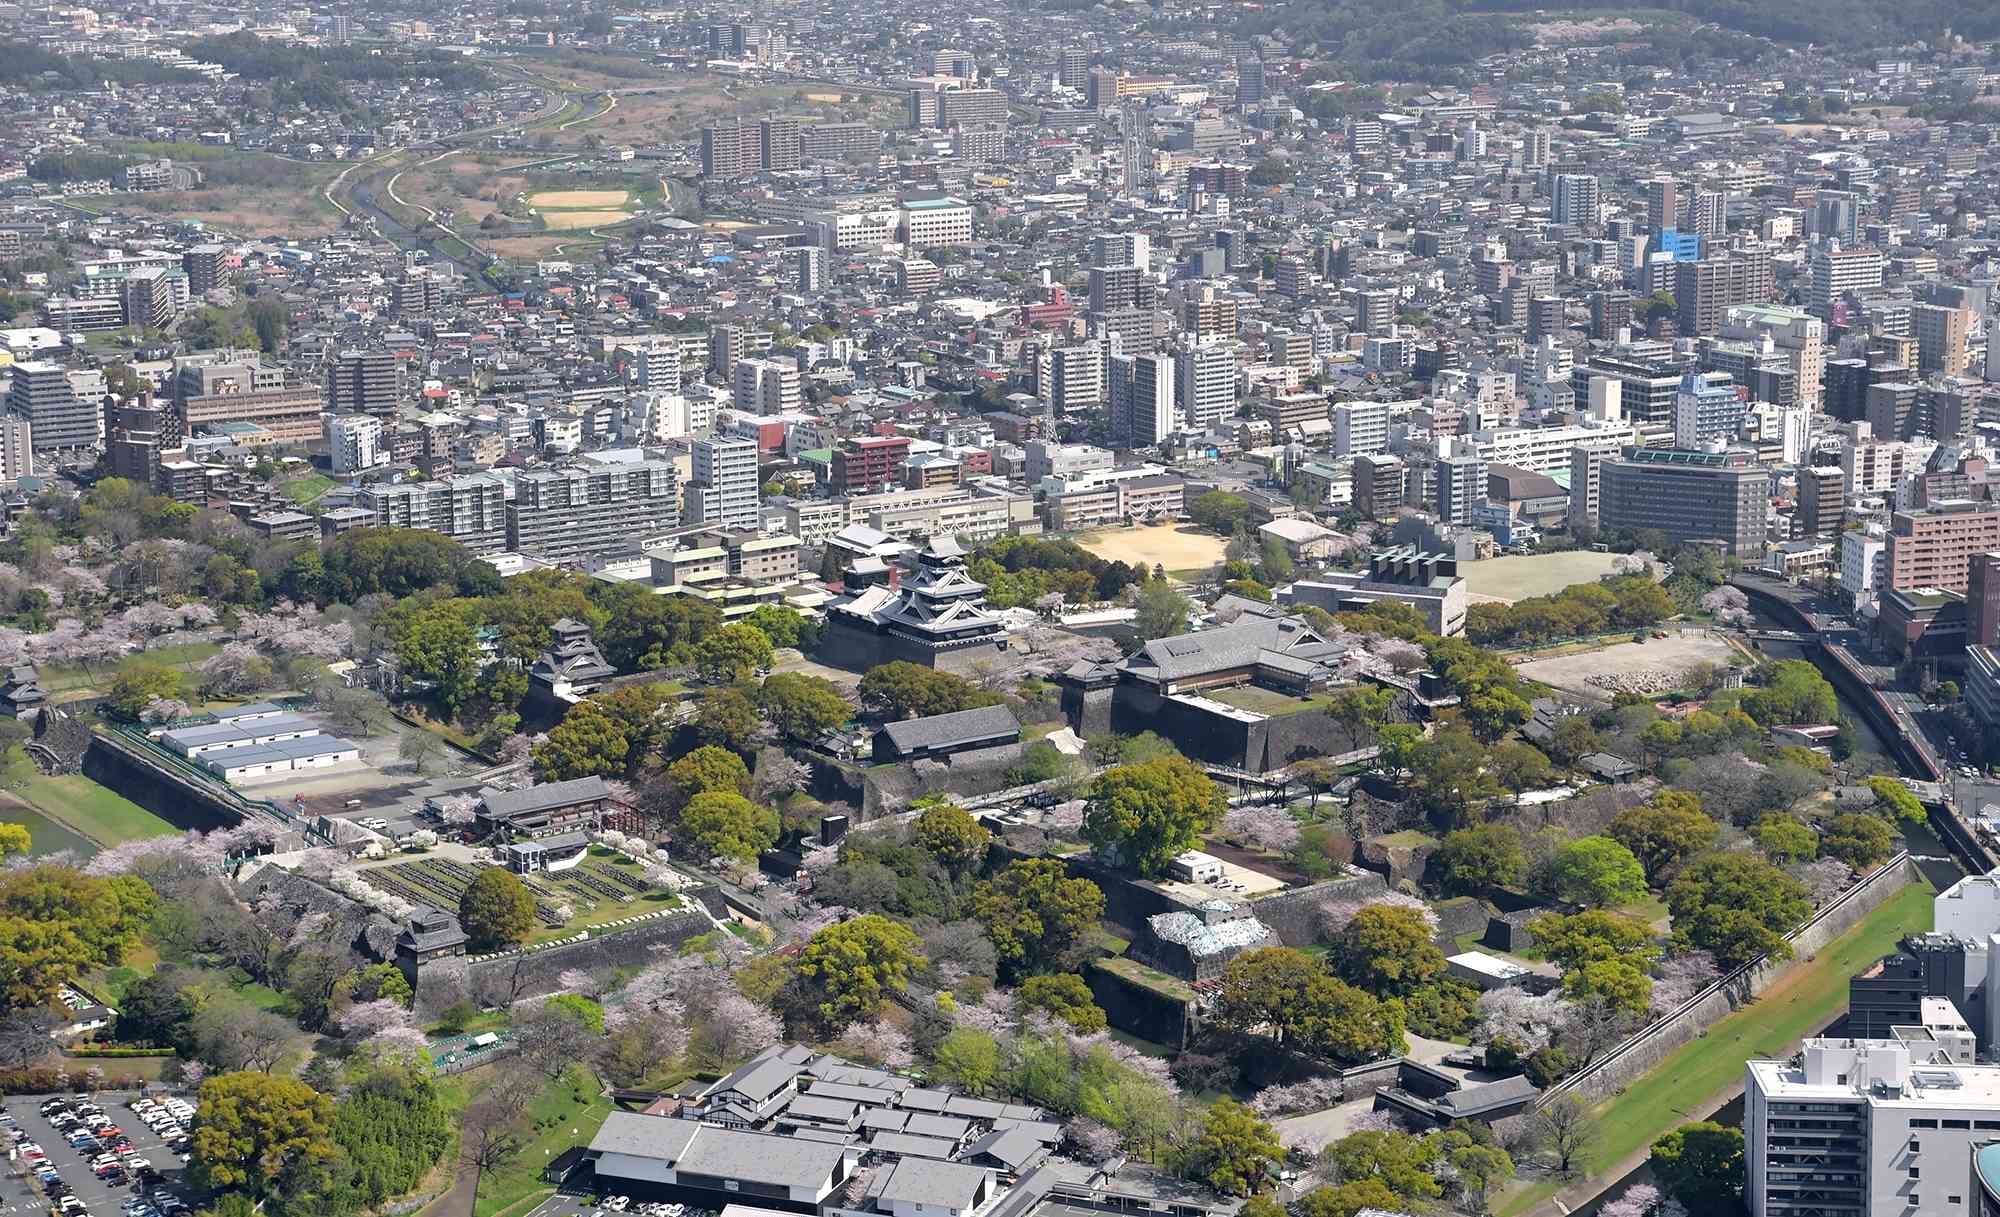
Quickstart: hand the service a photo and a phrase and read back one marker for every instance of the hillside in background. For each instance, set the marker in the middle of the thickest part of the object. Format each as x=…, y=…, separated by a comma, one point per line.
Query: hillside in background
x=1430, y=39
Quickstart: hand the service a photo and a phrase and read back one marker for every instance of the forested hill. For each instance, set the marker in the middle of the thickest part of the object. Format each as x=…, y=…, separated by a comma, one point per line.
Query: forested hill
x=1415, y=39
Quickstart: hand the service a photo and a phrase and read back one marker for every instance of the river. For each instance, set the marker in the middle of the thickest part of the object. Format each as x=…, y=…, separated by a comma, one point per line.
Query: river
x=1939, y=867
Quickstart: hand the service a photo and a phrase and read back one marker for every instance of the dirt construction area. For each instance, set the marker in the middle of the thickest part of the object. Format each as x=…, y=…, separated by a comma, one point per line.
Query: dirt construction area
x=1659, y=660
x=1177, y=547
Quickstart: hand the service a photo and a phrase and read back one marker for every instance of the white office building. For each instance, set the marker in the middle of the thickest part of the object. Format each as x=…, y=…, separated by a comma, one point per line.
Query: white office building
x=1206, y=384
x=356, y=443
x=765, y=386
x=1870, y=1128
x=723, y=490
x=1864, y=558
x=1546, y=449
x=1360, y=427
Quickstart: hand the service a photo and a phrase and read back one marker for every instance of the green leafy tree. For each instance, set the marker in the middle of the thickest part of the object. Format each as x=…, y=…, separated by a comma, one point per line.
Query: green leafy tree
x=1063, y=996
x=950, y=834
x=1482, y=858
x=726, y=718
x=392, y=1125
x=1736, y=906
x=1291, y=996
x=705, y=769
x=1665, y=832
x=968, y=1059
x=587, y=741
x=1520, y=767
x=1701, y=1165
x=56, y=923
x=1572, y=739
x=732, y=653
x=1347, y=1199
x=1480, y=1168
x=851, y=968
x=441, y=645
x=257, y=1130
x=728, y=825
x=1793, y=691
x=901, y=689
x=1861, y=840
x=1595, y=871
x=1404, y=1164
x=1618, y=983
x=15, y=839
x=1161, y=612
x=1894, y=800
x=642, y=714
x=1449, y=773
x=1219, y=510
x=496, y=909
x=1387, y=950
x=1036, y=914
x=784, y=627
x=1492, y=713
x=1236, y=1150
x=804, y=707
x=138, y=684
x=1151, y=812
x=1593, y=934
x=1785, y=840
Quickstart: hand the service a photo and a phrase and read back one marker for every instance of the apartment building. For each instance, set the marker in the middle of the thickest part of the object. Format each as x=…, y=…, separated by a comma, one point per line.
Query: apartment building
x=765, y=386
x=871, y=462
x=42, y=394
x=579, y=512
x=471, y=510
x=1142, y=399
x=362, y=382
x=1206, y=378
x=723, y=490
x=1933, y=548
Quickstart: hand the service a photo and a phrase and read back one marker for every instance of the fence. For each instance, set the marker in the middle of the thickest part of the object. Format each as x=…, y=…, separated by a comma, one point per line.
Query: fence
x=1645, y=1047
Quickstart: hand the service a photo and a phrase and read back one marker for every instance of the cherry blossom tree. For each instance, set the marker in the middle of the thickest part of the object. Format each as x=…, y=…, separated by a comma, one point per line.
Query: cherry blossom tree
x=458, y=810
x=1521, y=1018
x=1092, y=1141
x=1729, y=605
x=374, y=1018
x=1312, y=1094
x=164, y=710
x=1825, y=878
x=889, y=1044
x=1268, y=828
x=1679, y=977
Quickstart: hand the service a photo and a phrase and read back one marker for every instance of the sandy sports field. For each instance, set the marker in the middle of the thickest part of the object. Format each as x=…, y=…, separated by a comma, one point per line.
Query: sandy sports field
x=1174, y=546
x=579, y=198
x=1675, y=653
x=565, y=221
x=1523, y=575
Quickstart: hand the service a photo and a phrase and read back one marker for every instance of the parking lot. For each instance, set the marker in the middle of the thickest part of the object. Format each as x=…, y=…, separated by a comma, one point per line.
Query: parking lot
x=21, y=1193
